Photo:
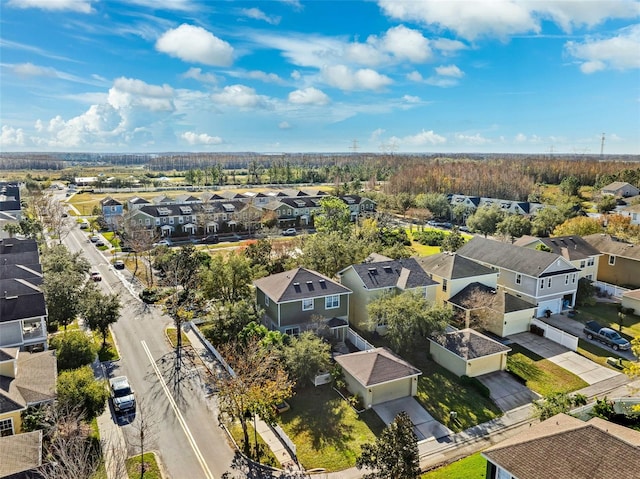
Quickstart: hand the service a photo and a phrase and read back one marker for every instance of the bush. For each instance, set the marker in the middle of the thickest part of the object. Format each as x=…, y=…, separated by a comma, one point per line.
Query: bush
x=73, y=349
x=150, y=295
x=429, y=237
x=476, y=384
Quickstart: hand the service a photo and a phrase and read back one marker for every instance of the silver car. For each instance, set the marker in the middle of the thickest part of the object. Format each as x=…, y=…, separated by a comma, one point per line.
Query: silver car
x=122, y=395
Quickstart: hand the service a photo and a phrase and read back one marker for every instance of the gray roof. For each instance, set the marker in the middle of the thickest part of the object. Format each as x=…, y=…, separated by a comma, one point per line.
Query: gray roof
x=613, y=246
x=20, y=453
x=571, y=248
x=18, y=251
x=568, y=448
x=194, y=208
x=616, y=185
x=452, y=266
x=9, y=197
x=376, y=366
x=297, y=284
x=401, y=273
x=21, y=271
x=477, y=295
x=21, y=299
x=510, y=257
x=34, y=383
x=469, y=344
x=109, y=201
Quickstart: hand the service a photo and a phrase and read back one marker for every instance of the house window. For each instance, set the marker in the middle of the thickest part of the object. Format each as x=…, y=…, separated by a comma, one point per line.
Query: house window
x=612, y=260
x=548, y=282
x=444, y=285
x=590, y=262
x=170, y=221
x=266, y=300
x=573, y=277
x=292, y=331
x=582, y=264
x=332, y=302
x=566, y=279
x=382, y=322
x=542, y=284
x=180, y=220
x=113, y=209
x=6, y=427
x=307, y=304
x=518, y=278
x=589, y=277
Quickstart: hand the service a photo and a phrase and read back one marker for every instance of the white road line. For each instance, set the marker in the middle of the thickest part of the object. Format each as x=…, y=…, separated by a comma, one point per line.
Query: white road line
x=181, y=420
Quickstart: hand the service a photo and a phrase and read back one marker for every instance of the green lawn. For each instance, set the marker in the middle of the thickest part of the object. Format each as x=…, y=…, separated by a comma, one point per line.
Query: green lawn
x=109, y=351
x=424, y=250
x=541, y=375
x=471, y=467
x=441, y=392
x=267, y=454
x=173, y=337
x=607, y=315
x=151, y=468
x=597, y=354
x=327, y=432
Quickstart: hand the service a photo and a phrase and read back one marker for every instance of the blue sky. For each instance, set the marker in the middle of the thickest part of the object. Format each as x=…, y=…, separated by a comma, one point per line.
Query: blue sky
x=522, y=76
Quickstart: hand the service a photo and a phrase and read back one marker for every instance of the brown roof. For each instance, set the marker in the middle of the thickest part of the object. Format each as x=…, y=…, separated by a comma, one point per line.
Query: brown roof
x=477, y=295
x=20, y=453
x=470, y=344
x=452, y=266
x=571, y=248
x=297, y=284
x=613, y=246
x=376, y=366
x=568, y=448
x=34, y=383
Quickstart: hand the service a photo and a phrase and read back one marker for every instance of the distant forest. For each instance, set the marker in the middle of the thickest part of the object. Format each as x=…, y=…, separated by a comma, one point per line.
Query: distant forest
x=500, y=176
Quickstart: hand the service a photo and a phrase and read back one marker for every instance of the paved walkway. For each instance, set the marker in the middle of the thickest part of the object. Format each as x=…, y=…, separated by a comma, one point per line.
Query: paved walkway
x=424, y=425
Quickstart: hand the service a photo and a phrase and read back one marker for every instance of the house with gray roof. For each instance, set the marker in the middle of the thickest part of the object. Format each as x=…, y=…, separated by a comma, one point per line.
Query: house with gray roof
x=545, y=279
x=112, y=211
x=300, y=299
x=10, y=207
x=21, y=455
x=566, y=447
x=378, y=375
x=370, y=280
x=467, y=352
x=632, y=211
x=621, y=189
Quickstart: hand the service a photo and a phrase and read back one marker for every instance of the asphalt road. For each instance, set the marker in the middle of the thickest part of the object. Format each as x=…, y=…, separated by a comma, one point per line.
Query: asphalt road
x=182, y=420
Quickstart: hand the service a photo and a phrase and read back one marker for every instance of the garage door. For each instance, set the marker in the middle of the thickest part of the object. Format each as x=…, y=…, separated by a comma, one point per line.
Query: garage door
x=391, y=391
x=554, y=305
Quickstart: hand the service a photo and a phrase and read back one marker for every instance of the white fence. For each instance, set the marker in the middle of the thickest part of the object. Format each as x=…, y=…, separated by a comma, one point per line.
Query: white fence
x=612, y=289
x=557, y=335
x=321, y=379
x=358, y=341
x=210, y=348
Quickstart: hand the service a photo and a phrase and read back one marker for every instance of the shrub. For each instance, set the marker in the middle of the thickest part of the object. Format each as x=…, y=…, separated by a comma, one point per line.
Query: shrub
x=73, y=349
x=150, y=295
x=429, y=237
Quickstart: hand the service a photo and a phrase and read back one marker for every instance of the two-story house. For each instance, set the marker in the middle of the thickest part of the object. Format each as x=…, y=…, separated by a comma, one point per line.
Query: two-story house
x=112, y=211
x=300, y=299
x=10, y=208
x=136, y=203
x=23, y=309
x=620, y=263
x=370, y=280
x=359, y=206
x=572, y=248
x=545, y=279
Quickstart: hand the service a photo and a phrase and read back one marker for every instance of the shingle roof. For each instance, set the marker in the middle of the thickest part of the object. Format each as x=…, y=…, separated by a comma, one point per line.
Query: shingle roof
x=566, y=447
x=571, y=248
x=18, y=251
x=452, y=266
x=477, y=295
x=610, y=245
x=510, y=257
x=21, y=299
x=21, y=271
x=376, y=366
x=20, y=453
x=34, y=383
x=108, y=201
x=403, y=273
x=297, y=284
x=616, y=185
x=9, y=197
x=469, y=344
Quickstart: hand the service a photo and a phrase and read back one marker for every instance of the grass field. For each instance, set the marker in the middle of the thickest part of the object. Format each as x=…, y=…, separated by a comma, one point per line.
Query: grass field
x=597, y=354
x=151, y=468
x=267, y=457
x=607, y=315
x=471, y=467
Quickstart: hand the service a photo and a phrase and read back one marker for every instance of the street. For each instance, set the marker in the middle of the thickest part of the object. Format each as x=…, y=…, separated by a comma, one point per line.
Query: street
x=183, y=428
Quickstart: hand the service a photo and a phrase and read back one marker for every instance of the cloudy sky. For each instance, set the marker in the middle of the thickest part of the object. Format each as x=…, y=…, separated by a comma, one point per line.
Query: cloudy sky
x=320, y=75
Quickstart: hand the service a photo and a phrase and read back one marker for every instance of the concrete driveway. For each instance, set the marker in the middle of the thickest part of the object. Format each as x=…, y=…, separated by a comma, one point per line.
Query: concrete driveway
x=424, y=425
x=507, y=392
x=582, y=367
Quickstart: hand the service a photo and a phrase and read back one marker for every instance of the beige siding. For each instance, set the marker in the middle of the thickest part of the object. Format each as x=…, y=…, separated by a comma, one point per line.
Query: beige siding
x=517, y=322
x=634, y=303
x=448, y=360
x=472, y=368
x=390, y=391
x=487, y=364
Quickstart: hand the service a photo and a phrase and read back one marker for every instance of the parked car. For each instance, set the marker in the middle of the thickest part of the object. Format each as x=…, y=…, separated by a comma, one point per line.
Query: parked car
x=95, y=276
x=282, y=407
x=608, y=336
x=84, y=225
x=289, y=232
x=163, y=242
x=118, y=264
x=211, y=239
x=122, y=395
x=94, y=239
x=100, y=243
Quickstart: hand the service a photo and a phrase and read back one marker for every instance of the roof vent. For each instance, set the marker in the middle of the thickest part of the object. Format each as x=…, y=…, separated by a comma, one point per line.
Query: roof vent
x=296, y=286
x=373, y=271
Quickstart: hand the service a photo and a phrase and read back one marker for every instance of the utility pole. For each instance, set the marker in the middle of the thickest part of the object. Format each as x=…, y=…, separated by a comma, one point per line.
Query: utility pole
x=354, y=146
x=602, y=147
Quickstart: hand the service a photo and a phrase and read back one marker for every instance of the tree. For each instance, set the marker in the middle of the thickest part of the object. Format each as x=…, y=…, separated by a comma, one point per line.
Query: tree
x=633, y=367
x=409, y=318
x=258, y=383
x=461, y=212
x=485, y=220
x=514, y=226
x=227, y=278
x=606, y=203
x=570, y=185
x=330, y=252
x=13, y=229
x=546, y=220
x=306, y=356
x=74, y=349
x=100, y=311
x=453, y=241
x=436, y=203
x=403, y=201
x=394, y=455
x=557, y=403
x=579, y=226
x=333, y=216
x=585, y=294
x=79, y=388
x=227, y=320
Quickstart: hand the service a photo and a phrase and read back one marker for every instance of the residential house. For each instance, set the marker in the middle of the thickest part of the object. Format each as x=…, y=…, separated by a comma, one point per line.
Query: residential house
x=572, y=248
x=633, y=212
x=23, y=310
x=10, y=208
x=300, y=299
x=359, y=206
x=621, y=189
x=21, y=455
x=112, y=211
x=620, y=263
x=136, y=203
x=492, y=309
x=508, y=206
x=378, y=375
x=299, y=209
x=26, y=379
x=545, y=279
x=187, y=199
x=370, y=280
x=566, y=447
x=454, y=272
x=631, y=300
x=163, y=200
x=468, y=353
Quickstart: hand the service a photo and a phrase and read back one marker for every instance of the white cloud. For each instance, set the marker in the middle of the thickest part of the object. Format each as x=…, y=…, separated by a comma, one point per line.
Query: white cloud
x=176, y=5
x=442, y=82
x=424, y=138
x=411, y=99
x=31, y=70
x=341, y=76
x=308, y=96
x=195, y=44
x=257, y=75
x=11, y=136
x=415, y=76
x=284, y=125
x=448, y=46
x=132, y=93
x=520, y=138
x=406, y=44
x=196, y=74
x=502, y=18
x=449, y=71
x=257, y=14
x=376, y=135
x=239, y=96
x=81, y=6
x=476, y=139
x=619, y=52
x=200, y=138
